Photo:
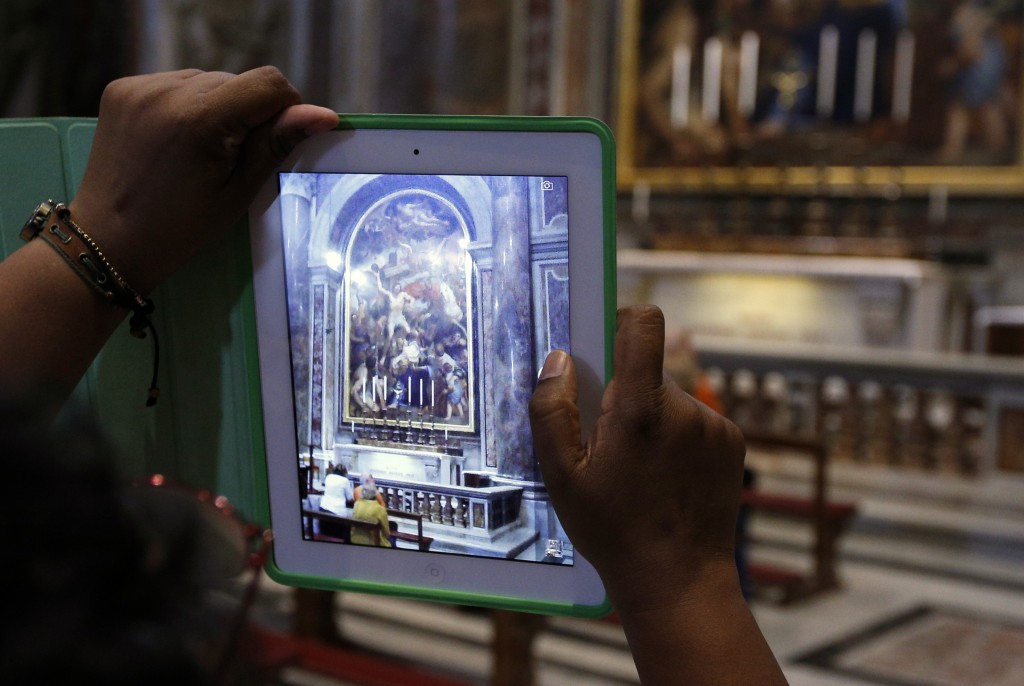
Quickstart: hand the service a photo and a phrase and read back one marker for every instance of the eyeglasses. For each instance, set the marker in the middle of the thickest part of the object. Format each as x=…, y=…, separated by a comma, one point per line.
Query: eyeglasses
x=216, y=545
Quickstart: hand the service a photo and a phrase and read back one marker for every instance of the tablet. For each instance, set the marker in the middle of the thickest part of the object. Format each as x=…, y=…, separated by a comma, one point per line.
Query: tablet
x=411, y=275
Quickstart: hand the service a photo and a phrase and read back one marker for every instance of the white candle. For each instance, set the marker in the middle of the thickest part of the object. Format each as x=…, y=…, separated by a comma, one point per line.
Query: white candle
x=712, y=96
x=828, y=63
x=421, y=391
x=560, y=31
x=903, y=77
x=373, y=388
x=679, y=96
x=938, y=204
x=864, y=82
x=385, y=398
x=431, y=392
x=641, y=202
x=409, y=395
x=746, y=101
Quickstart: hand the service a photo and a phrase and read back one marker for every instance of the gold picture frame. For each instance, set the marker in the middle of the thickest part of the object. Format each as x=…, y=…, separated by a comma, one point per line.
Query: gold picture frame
x=813, y=94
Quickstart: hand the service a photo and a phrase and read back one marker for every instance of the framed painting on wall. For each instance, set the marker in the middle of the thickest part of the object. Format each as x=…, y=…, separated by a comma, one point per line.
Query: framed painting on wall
x=727, y=93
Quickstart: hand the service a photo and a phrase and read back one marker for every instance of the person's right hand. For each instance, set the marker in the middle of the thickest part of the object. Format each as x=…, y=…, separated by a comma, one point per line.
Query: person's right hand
x=178, y=157
x=651, y=498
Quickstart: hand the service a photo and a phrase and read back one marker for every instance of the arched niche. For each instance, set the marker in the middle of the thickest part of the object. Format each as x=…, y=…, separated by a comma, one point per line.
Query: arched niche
x=338, y=206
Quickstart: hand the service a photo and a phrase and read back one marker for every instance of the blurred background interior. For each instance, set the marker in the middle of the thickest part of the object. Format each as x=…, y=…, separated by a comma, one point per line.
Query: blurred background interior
x=824, y=196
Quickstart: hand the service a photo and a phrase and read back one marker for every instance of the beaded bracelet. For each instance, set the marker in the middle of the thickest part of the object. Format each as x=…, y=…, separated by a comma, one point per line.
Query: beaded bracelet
x=84, y=256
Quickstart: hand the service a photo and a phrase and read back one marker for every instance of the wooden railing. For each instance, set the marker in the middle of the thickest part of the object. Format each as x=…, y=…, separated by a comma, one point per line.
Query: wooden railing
x=829, y=518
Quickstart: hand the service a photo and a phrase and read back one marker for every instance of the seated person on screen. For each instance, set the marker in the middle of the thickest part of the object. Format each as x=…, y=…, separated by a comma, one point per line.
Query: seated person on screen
x=176, y=159
x=367, y=509
x=337, y=499
x=337, y=485
x=367, y=480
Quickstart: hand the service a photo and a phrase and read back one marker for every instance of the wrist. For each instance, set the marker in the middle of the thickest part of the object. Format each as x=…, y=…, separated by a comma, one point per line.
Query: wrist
x=52, y=223
x=53, y=226
x=686, y=627
x=108, y=228
x=680, y=585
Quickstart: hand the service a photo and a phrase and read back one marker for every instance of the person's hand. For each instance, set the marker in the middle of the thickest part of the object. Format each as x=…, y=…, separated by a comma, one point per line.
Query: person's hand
x=177, y=158
x=651, y=498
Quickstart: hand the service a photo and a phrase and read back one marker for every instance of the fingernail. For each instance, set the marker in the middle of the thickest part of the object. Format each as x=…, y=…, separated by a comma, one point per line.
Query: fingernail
x=554, y=365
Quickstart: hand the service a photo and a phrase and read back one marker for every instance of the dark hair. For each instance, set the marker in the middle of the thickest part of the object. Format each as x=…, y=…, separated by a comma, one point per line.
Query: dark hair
x=88, y=606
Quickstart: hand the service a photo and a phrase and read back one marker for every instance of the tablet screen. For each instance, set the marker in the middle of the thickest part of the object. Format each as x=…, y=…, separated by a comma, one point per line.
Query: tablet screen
x=420, y=309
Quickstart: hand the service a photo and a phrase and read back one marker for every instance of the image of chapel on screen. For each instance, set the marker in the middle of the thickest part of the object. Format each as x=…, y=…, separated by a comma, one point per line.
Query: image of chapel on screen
x=421, y=308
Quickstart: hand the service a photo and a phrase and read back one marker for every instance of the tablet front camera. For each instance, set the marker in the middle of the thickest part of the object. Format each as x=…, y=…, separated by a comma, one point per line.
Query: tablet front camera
x=416, y=151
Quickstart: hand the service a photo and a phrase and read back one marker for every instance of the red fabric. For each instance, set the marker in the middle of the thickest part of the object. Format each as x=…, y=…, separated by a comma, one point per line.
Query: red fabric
x=791, y=505
x=271, y=650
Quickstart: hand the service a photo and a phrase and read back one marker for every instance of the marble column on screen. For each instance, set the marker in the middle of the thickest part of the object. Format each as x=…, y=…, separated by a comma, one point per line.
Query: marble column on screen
x=510, y=329
x=324, y=367
x=296, y=211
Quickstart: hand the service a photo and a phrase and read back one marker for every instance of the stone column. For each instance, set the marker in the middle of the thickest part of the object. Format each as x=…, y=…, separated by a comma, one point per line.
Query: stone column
x=512, y=340
x=318, y=353
x=325, y=374
x=296, y=213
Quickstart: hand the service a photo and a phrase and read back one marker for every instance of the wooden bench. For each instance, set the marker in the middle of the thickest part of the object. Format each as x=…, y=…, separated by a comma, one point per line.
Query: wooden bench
x=422, y=542
x=371, y=528
x=829, y=519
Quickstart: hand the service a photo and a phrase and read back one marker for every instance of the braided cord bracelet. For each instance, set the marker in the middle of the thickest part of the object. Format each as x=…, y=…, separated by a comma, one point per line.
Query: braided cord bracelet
x=52, y=222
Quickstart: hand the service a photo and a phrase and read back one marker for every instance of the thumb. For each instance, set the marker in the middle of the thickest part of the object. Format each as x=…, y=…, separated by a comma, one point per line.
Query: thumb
x=555, y=422
x=298, y=122
x=268, y=144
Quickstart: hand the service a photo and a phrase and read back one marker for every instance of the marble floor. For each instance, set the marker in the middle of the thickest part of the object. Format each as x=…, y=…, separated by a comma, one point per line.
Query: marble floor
x=937, y=540
x=918, y=540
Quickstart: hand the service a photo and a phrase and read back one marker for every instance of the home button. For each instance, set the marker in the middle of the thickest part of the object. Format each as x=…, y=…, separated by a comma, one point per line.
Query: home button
x=435, y=574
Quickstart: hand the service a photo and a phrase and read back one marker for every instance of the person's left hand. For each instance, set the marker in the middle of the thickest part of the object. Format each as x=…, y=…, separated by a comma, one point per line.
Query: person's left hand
x=178, y=157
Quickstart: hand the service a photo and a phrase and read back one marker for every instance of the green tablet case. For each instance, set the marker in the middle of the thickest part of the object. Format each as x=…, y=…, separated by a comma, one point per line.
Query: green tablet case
x=207, y=430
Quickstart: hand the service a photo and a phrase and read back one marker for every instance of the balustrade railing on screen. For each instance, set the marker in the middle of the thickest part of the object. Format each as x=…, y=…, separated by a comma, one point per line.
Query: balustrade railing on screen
x=485, y=510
